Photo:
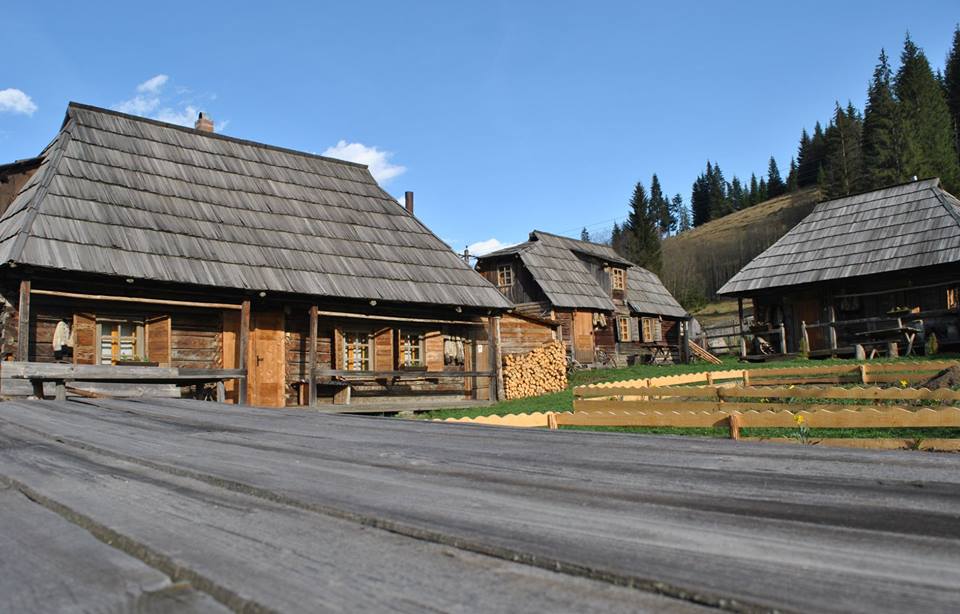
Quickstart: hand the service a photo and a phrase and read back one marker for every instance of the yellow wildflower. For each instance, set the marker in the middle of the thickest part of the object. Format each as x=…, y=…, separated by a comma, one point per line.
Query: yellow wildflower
x=798, y=419
x=904, y=383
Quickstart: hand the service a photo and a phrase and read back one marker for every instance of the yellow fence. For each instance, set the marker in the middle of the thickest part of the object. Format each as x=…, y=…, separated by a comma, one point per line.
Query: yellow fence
x=840, y=396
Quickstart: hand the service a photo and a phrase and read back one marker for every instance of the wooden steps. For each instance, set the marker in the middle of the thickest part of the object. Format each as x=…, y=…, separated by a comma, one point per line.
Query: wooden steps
x=703, y=354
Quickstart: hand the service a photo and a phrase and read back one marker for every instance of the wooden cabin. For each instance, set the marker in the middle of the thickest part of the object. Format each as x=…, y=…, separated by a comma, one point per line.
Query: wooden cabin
x=143, y=255
x=606, y=305
x=870, y=270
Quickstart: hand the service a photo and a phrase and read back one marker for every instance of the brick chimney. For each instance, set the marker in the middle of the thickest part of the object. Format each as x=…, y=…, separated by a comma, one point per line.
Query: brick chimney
x=204, y=123
x=408, y=200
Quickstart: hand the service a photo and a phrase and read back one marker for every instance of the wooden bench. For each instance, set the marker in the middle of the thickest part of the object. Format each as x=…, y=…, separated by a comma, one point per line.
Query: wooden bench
x=61, y=375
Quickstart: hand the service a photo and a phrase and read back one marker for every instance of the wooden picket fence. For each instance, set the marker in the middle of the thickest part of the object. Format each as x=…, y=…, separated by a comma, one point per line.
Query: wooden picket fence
x=836, y=396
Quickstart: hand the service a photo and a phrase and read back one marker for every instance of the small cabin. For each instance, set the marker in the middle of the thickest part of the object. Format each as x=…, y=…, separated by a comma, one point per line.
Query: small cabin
x=876, y=270
x=608, y=307
x=132, y=248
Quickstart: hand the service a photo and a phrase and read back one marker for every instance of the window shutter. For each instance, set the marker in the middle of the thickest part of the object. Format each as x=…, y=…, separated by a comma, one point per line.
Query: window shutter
x=657, y=330
x=647, y=330
x=85, y=339
x=159, y=338
x=634, y=329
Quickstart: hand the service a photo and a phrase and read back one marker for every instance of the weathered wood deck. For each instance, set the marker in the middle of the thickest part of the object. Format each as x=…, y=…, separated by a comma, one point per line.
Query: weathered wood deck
x=110, y=504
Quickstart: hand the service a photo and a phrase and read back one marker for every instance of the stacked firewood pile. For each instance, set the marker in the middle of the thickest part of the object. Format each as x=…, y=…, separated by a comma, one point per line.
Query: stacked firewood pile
x=538, y=372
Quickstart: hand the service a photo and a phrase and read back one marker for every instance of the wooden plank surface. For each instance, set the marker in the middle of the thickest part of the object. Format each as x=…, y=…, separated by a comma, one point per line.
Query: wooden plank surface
x=741, y=525
x=50, y=564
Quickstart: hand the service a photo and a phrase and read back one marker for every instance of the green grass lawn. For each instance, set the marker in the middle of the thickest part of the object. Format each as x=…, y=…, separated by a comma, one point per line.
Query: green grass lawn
x=563, y=401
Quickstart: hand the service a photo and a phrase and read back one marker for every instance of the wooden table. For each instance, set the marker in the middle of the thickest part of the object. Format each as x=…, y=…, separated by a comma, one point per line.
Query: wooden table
x=909, y=333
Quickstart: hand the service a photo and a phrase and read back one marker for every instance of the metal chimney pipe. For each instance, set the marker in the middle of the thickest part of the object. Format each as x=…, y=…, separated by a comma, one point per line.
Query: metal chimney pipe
x=408, y=200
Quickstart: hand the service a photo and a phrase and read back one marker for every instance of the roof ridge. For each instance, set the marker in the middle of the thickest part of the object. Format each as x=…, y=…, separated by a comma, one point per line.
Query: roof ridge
x=33, y=208
x=880, y=189
x=233, y=139
x=951, y=210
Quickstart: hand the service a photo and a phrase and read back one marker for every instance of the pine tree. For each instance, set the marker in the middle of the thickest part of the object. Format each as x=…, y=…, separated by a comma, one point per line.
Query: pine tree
x=754, y=196
x=882, y=128
x=717, y=189
x=584, y=235
x=763, y=193
x=843, y=166
x=792, y=185
x=660, y=205
x=642, y=231
x=616, y=239
x=738, y=198
x=951, y=85
x=926, y=117
x=775, y=185
x=682, y=213
x=700, y=199
x=810, y=156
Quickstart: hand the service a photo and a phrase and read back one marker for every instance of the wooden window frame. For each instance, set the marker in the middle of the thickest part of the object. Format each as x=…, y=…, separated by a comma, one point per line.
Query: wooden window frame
x=505, y=276
x=953, y=297
x=651, y=330
x=623, y=328
x=618, y=279
x=347, y=346
x=404, y=346
x=114, y=323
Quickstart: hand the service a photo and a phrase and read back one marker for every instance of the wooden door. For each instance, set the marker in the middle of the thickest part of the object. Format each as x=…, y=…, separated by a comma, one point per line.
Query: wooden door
x=808, y=310
x=583, y=336
x=267, y=361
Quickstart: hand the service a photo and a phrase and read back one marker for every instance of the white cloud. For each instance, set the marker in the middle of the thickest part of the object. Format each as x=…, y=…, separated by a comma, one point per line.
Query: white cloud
x=481, y=248
x=377, y=161
x=138, y=105
x=177, y=107
x=15, y=101
x=153, y=84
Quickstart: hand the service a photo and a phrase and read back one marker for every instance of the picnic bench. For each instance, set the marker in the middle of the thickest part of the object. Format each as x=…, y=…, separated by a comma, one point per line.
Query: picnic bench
x=62, y=374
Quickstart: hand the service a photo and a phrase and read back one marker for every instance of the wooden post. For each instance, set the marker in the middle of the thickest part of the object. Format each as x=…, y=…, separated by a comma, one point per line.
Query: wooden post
x=496, y=385
x=244, y=343
x=551, y=421
x=312, y=357
x=23, y=322
x=832, y=314
x=806, y=337
x=893, y=350
x=783, y=338
x=221, y=392
x=743, y=332
x=735, y=426
x=863, y=375
x=746, y=378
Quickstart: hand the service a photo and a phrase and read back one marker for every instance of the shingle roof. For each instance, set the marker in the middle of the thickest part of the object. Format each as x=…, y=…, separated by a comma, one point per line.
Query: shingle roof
x=906, y=226
x=646, y=294
x=559, y=266
x=127, y=196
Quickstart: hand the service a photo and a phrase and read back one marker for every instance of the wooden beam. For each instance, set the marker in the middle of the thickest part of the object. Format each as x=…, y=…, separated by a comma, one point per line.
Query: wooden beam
x=743, y=333
x=244, y=343
x=134, y=299
x=496, y=357
x=832, y=331
x=312, y=354
x=364, y=316
x=23, y=322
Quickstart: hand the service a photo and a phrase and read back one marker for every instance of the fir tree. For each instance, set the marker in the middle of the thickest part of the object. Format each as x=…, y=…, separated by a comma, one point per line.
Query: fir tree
x=882, y=128
x=584, y=235
x=926, y=117
x=717, y=189
x=810, y=156
x=700, y=199
x=616, y=239
x=843, y=166
x=682, y=213
x=762, y=193
x=951, y=85
x=642, y=231
x=775, y=185
x=754, y=196
x=738, y=198
x=660, y=205
x=792, y=185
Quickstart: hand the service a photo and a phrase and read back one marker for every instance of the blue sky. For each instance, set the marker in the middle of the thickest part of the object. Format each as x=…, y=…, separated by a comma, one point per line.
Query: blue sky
x=502, y=117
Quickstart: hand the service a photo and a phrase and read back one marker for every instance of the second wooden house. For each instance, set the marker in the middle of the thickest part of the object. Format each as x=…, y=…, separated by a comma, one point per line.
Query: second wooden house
x=608, y=307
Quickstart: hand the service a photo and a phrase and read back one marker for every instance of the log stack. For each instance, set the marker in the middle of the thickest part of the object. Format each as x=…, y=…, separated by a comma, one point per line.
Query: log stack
x=538, y=372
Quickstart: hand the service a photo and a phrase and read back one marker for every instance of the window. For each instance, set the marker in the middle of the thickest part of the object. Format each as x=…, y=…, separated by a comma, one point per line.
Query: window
x=623, y=328
x=953, y=300
x=652, y=329
x=505, y=275
x=356, y=351
x=120, y=340
x=410, y=347
x=618, y=278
